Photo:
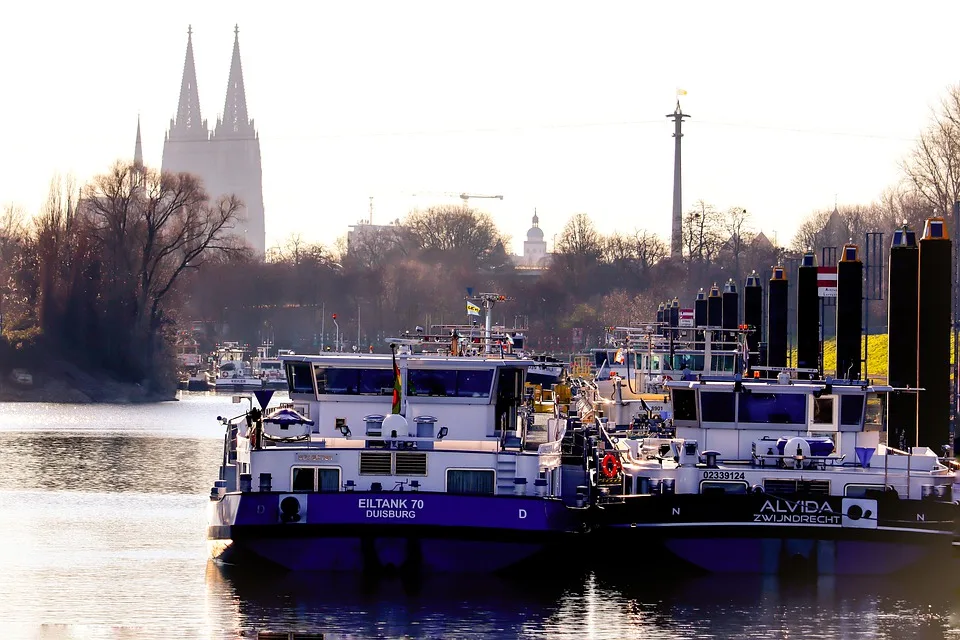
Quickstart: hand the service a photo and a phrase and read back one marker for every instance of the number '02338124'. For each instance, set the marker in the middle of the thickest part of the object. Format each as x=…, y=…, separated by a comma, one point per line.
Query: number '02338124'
x=723, y=475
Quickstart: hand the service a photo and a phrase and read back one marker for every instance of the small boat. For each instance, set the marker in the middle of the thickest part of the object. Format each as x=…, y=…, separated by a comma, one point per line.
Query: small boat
x=269, y=368
x=234, y=373
x=409, y=462
x=199, y=380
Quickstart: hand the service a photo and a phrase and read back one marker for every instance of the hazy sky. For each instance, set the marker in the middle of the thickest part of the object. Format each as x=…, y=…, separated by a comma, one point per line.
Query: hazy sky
x=554, y=105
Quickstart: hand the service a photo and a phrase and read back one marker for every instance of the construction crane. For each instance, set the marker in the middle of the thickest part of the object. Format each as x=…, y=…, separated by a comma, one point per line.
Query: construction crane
x=447, y=194
x=467, y=196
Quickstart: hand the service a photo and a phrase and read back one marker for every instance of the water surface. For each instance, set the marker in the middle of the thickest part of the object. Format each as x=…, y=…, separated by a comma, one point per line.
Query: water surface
x=103, y=512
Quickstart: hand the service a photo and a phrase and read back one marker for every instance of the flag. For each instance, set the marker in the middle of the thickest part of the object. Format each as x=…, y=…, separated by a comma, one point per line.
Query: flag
x=473, y=310
x=681, y=92
x=509, y=339
x=618, y=358
x=397, y=384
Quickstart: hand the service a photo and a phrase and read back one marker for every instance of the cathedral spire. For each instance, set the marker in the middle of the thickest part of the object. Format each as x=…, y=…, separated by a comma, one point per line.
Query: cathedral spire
x=138, y=148
x=188, y=123
x=235, y=122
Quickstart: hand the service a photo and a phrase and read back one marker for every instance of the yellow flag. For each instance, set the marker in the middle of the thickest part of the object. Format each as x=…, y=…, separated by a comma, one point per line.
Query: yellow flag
x=681, y=92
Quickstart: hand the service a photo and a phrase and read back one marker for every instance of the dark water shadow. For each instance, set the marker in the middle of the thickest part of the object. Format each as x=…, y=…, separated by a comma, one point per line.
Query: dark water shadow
x=924, y=604
x=431, y=606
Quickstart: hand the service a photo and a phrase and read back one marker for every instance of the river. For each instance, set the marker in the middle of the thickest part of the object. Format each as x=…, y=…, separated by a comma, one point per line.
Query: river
x=102, y=517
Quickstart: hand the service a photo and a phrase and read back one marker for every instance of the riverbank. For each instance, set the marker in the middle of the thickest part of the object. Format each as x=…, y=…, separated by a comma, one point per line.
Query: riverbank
x=61, y=381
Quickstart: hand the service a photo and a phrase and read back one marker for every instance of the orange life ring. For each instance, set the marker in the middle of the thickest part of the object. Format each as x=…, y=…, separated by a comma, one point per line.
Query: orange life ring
x=610, y=466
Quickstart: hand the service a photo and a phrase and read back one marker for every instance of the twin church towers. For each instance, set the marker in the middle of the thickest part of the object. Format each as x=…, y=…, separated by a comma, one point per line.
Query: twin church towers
x=226, y=158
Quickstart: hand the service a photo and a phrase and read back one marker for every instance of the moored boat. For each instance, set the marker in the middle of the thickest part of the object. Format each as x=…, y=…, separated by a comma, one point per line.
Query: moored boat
x=411, y=462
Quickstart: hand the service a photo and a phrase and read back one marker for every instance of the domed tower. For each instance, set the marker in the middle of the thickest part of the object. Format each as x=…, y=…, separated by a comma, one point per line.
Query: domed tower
x=534, y=247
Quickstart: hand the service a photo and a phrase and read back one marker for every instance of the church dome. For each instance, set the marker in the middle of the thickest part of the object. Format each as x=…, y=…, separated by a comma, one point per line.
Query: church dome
x=535, y=233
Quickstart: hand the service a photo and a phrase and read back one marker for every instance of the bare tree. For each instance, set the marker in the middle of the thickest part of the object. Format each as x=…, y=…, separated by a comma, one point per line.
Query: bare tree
x=736, y=223
x=933, y=166
x=453, y=229
x=702, y=235
x=580, y=238
x=151, y=228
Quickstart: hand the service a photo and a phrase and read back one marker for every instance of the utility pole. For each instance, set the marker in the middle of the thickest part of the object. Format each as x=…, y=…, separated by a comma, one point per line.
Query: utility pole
x=676, y=237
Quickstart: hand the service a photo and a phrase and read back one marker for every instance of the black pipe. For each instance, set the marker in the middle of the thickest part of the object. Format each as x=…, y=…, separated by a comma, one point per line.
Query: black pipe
x=660, y=320
x=902, y=338
x=808, y=321
x=753, y=316
x=700, y=317
x=777, y=320
x=849, y=312
x=933, y=336
x=730, y=306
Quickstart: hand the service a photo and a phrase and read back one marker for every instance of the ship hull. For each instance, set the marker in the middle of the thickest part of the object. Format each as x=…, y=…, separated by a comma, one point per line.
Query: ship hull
x=824, y=535
x=387, y=532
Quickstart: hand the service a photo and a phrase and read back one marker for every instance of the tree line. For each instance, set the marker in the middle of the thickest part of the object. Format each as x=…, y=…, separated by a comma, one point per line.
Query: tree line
x=108, y=274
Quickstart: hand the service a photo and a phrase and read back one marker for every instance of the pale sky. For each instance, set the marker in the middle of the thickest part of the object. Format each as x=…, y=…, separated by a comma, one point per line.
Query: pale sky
x=554, y=105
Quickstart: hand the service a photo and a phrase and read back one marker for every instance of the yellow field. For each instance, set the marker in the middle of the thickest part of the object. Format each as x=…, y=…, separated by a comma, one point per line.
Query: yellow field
x=876, y=356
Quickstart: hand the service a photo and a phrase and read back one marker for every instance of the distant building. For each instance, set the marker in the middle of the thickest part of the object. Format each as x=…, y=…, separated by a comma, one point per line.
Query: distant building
x=535, y=254
x=226, y=159
x=378, y=236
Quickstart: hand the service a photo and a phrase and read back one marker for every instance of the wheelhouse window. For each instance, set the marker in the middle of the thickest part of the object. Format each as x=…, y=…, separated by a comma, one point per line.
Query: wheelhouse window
x=471, y=481
x=718, y=406
x=851, y=410
x=773, y=408
x=354, y=381
x=684, y=404
x=449, y=383
x=823, y=410
x=315, y=479
x=864, y=490
x=299, y=379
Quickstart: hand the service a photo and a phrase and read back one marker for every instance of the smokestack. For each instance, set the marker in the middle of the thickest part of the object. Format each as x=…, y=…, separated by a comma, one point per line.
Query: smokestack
x=753, y=316
x=933, y=336
x=660, y=320
x=777, y=319
x=700, y=316
x=808, y=321
x=675, y=313
x=902, y=338
x=849, y=312
x=730, y=302
x=714, y=307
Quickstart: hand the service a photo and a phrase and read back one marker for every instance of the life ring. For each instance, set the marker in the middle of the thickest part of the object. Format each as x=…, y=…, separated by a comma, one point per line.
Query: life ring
x=610, y=466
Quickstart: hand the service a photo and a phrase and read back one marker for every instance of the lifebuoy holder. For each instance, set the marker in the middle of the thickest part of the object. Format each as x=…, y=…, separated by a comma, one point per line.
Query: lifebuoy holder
x=610, y=466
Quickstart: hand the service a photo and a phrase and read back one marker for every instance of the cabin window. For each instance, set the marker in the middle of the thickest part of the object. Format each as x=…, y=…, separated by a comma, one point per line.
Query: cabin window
x=474, y=384
x=851, y=410
x=773, y=408
x=299, y=379
x=863, y=490
x=708, y=487
x=600, y=359
x=823, y=410
x=796, y=487
x=352, y=382
x=718, y=406
x=474, y=481
x=304, y=479
x=684, y=404
x=450, y=383
x=432, y=382
x=376, y=382
x=315, y=479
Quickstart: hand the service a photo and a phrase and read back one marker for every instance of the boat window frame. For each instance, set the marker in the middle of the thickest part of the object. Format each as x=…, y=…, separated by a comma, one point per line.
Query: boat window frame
x=316, y=477
x=724, y=483
x=446, y=479
x=866, y=486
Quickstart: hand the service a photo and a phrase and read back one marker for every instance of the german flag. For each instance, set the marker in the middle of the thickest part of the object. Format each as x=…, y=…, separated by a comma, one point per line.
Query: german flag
x=397, y=384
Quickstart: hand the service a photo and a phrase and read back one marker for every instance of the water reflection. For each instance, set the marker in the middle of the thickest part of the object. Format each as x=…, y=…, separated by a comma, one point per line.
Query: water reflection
x=348, y=605
x=114, y=463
